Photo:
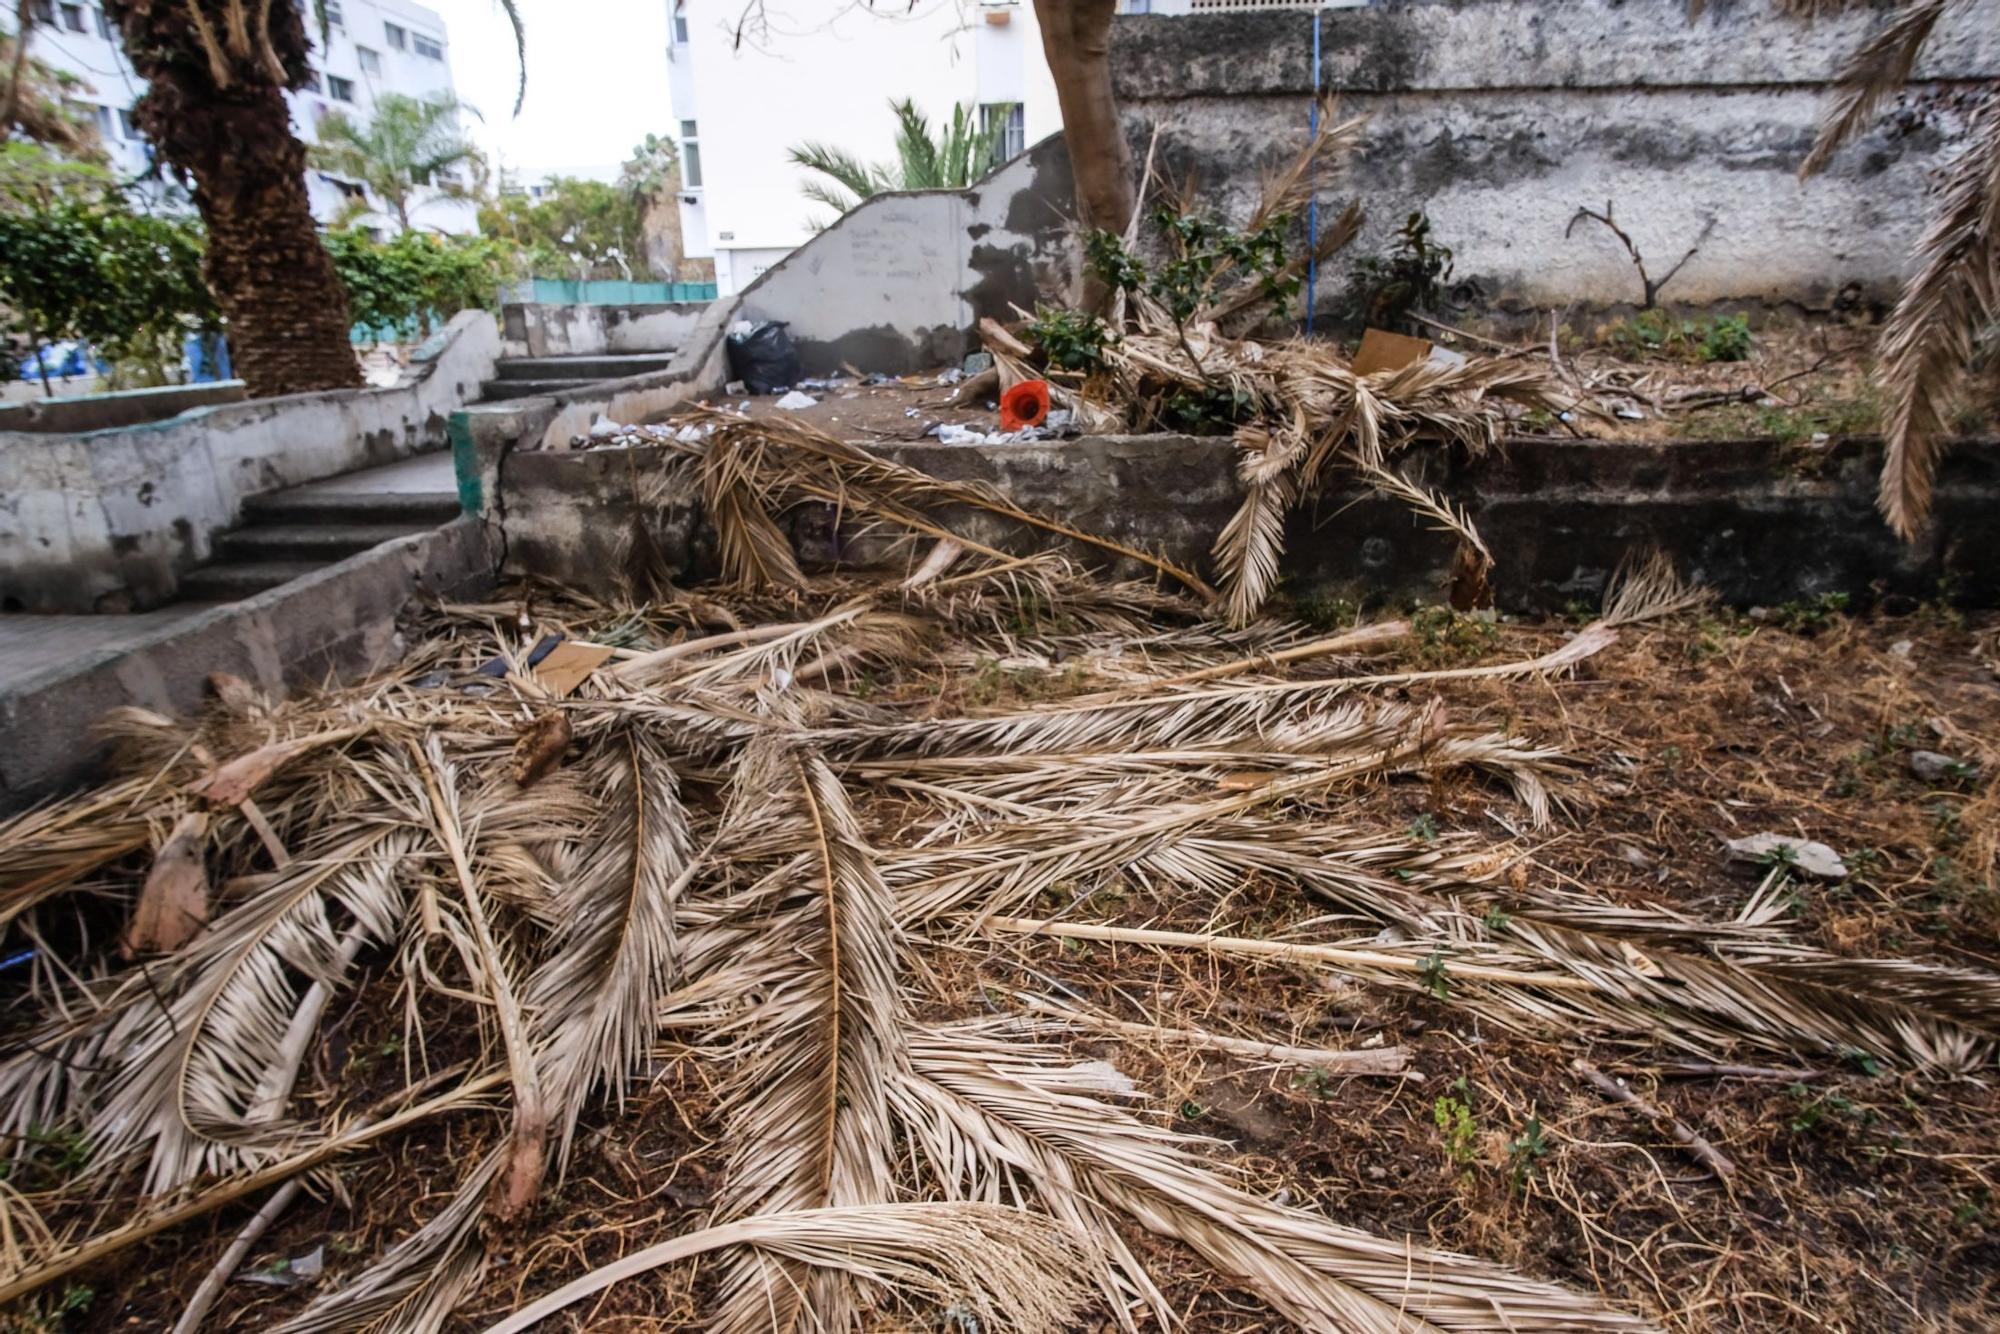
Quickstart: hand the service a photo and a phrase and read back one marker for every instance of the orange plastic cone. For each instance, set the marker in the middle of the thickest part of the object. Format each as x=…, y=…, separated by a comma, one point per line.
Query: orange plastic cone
x=1026, y=404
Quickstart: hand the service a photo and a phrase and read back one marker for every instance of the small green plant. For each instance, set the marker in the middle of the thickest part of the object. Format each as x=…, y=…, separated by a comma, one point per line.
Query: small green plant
x=1453, y=1114
x=1413, y=276
x=1192, y=1110
x=1071, y=340
x=1424, y=829
x=1434, y=976
x=1524, y=1151
x=1726, y=339
x=1443, y=637
x=1497, y=918
x=1210, y=410
x=1201, y=252
x=1809, y=616
x=1315, y=1080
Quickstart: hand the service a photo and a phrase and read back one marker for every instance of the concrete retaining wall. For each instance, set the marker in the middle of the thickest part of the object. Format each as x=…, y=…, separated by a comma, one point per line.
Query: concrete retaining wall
x=126, y=407
x=1501, y=117
x=898, y=283
x=543, y=330
x=338, y=622
x=1759, y=523
x=107, y=520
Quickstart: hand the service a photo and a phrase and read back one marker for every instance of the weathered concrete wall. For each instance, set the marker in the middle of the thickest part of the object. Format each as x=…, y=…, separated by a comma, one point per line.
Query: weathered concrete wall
x=107, y=520
x=339, y=622
x=1755, y=521
x=546, y=330
x=1500, y=118
x=897, y=284
x=126, y=407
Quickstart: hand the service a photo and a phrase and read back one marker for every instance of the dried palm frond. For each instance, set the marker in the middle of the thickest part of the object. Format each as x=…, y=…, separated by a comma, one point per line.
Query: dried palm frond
x=1928, y=341
x=985, y=1097
x=614, y=952
x=810, y=1112
x=990, y=1266
x=1871, y=75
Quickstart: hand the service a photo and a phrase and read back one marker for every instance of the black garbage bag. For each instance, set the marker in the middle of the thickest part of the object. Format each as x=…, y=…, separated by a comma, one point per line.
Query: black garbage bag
x=765, y=359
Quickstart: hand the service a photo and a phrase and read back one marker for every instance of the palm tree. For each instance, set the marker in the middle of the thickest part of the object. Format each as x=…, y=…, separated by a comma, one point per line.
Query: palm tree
x=1928, y=342
x=407, y=145
x=951, y=159
x=217, y=72
x=32, y=102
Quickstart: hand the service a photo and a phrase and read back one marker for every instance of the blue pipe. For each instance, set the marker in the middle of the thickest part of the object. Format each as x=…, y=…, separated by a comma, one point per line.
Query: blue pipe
x=1312, y=205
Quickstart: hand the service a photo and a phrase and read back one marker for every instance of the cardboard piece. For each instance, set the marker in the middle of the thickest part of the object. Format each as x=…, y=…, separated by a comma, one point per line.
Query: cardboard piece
x=564, y=667
x=1384, y=351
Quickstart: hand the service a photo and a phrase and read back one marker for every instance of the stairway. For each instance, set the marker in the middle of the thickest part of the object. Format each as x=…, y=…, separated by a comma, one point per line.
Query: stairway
x=524, y=377
x=296, y=531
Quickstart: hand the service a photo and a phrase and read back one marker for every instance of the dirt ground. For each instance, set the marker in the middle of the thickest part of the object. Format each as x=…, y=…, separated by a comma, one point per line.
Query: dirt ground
x=1863, y=1197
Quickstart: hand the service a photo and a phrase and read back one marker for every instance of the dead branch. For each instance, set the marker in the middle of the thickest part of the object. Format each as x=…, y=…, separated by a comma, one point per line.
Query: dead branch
x=1652, y=287
x=1711, y=1157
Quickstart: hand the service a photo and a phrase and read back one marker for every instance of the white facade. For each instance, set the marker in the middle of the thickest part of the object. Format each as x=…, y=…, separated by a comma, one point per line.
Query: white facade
x=376, y=47
x=826, y=73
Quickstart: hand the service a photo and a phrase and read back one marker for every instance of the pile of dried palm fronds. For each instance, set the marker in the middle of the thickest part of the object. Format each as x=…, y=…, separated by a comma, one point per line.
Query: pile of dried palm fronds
x=729, y=845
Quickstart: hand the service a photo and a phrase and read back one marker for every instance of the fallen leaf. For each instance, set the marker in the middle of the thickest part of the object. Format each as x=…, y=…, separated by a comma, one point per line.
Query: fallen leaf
x=233, y=782
x=173, y=903
x=539, y=746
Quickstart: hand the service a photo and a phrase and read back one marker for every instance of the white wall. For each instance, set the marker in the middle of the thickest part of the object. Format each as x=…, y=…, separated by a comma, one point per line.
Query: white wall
x=826, y=73
x=95, y=56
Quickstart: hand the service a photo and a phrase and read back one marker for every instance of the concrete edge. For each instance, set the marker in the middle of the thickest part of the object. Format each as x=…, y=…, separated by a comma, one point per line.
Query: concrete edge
x=337, y=623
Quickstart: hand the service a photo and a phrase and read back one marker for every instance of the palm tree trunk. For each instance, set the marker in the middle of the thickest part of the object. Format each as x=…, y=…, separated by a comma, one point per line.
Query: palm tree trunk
x=1076, y=37
x=215, y=108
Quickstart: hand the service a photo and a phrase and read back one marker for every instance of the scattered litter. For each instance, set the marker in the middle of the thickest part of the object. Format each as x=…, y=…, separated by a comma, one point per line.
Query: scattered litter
x=1813, y=858
x=1026, y=404
x=1060, y=420
x=1628, y=413
x=735, y=389
x=795, y=400
x=283, y=1273
x=952, y=376
x=604, y=427
x=910, y=412
x=764, y=358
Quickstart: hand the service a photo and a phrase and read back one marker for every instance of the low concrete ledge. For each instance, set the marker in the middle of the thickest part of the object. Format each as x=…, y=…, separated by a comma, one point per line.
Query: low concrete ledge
x=124, y=407
x=1757, y=521
x=339, y=622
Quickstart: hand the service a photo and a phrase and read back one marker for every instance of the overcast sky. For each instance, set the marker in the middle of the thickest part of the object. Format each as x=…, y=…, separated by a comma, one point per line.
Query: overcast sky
x=597, y=73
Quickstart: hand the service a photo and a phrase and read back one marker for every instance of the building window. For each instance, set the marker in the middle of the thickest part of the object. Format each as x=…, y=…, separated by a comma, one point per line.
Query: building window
x=72, y=18
x=103, y=25
x=680, y=24
x=127, y=128
x=342, y=90
x=334, y=18
x=427, y=47
x=399, y=39
x=106, y=127
x=371, y=62
x=45, y=12
x=311, y=82
x=1013, y=136
x=690, y=157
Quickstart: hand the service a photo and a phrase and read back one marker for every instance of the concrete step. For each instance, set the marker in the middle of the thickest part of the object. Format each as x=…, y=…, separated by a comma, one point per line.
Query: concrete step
x=309, y=505
x=581, y=368
x=232, y=581
x=324, y=542
x=498, y=391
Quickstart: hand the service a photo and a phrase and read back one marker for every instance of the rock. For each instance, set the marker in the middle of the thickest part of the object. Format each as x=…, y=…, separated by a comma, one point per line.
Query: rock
x=795, y=400
x=975, y=362
x=1901, y=648
x=1933, y=767
x=1814, y=859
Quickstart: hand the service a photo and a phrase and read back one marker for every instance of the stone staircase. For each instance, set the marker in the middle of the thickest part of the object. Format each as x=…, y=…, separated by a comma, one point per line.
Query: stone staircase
x=296, y=531
x=524, y=377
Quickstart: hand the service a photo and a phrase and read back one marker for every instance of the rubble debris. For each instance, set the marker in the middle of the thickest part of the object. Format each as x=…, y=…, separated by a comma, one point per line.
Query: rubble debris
x=763, y=357
x=1935, y=767
x=795, y=400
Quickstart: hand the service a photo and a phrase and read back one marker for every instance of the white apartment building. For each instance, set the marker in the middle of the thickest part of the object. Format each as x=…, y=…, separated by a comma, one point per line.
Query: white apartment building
x=375, y=47
x=814, y=70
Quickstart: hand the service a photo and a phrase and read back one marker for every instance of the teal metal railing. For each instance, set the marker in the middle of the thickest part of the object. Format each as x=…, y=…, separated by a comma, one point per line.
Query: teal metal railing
x=613, y=292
